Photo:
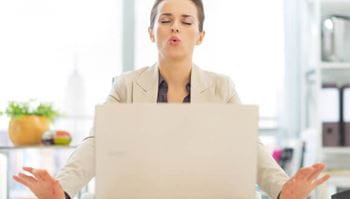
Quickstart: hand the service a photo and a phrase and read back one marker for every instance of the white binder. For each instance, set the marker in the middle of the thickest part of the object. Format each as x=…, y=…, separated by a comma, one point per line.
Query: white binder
x=330, y=114
x=346, y=114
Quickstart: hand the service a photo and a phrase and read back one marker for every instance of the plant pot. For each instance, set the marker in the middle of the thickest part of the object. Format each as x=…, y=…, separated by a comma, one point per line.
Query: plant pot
x=28, y=130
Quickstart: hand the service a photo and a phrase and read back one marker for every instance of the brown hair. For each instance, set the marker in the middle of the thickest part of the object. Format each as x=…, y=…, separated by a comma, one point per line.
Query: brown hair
x=200, y=11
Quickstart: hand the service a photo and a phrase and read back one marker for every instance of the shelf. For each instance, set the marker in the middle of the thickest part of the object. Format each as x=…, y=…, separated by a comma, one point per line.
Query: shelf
x=335, y=65
x=36, y=147
x=335, y=7
x=336, y=150
x=336, y=1
x=339, y=172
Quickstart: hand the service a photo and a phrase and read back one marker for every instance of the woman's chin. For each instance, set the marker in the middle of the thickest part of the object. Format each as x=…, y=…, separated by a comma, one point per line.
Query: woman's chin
x=176, y=55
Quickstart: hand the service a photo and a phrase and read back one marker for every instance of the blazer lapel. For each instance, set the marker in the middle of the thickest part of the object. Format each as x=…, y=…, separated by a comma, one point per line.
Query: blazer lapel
x=145, y=88
x=200, y=83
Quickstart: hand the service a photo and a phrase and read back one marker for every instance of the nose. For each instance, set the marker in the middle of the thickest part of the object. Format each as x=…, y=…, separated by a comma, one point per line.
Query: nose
x=175, y=28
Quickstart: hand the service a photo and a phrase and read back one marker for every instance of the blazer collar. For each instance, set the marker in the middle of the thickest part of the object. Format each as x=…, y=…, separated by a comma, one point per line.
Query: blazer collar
x=145, y=87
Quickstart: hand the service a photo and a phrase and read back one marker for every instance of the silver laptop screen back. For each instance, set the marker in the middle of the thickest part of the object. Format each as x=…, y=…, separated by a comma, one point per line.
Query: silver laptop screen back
x=173, y=151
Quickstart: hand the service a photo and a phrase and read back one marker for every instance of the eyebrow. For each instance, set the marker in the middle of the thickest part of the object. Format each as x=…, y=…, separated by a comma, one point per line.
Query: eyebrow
x=169, y=14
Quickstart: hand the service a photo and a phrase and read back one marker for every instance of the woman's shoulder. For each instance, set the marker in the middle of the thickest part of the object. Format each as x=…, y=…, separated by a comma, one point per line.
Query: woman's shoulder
x=222, y=85
x=217, y=78
x=129, y=76
x=122, y=85
x=133, y=73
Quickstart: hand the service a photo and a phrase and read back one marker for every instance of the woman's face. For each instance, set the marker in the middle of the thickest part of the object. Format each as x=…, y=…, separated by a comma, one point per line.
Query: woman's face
x=176, y=29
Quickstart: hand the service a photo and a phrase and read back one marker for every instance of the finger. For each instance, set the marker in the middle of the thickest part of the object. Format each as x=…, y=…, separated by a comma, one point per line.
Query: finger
x=318, y=168
x=320, y=180
x=20, y=180
x=42, y=174
x=31, y=170
x=38, y=173
x=304, y=173
x=28, y=178
x=25, y=180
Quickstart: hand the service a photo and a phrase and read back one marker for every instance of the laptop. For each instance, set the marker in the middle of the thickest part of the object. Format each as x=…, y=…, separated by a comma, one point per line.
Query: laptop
x=176, y=151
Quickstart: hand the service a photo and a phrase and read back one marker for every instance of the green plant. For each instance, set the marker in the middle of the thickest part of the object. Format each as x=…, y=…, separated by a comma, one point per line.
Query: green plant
x=18, y=109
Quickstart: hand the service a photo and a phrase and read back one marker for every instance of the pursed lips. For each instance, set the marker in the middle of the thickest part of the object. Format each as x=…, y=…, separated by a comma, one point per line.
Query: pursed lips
x=174, y=40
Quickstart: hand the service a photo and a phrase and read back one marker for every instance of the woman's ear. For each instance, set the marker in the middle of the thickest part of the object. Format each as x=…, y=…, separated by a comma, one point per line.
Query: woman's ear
x=200, y=38
x=151, y=34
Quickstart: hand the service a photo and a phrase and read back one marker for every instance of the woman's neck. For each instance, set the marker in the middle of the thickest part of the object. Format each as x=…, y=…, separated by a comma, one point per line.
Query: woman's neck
x=176, y=73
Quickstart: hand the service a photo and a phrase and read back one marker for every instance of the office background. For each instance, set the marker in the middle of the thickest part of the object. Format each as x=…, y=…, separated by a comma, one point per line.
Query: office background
x=67, y=52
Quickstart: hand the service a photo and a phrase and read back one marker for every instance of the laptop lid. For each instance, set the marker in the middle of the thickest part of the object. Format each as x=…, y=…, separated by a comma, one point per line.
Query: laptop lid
x=173, y=151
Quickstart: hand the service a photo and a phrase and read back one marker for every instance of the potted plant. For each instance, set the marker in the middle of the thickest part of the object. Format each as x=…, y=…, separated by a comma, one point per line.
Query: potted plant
x=29, y=120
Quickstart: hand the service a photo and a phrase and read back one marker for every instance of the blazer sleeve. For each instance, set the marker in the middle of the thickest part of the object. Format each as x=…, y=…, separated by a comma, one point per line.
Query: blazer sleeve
x=80, y=167
x=270, y=176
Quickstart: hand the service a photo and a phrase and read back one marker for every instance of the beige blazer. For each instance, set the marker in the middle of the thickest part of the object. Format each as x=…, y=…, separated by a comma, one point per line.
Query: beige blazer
x=141, y=86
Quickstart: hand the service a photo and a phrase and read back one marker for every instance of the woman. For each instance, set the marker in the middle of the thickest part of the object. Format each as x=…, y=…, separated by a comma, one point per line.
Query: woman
x=176, y=26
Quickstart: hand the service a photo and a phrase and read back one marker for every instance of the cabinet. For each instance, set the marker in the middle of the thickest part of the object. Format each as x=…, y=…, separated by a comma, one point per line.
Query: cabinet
x=318, y=73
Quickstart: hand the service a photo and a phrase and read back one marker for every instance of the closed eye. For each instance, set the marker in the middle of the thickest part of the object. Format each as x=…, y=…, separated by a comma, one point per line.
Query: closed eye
x=165, y=22
x=186, y=23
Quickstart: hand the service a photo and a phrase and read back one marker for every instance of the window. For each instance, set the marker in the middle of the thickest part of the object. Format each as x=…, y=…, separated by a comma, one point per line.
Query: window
x=43, y=41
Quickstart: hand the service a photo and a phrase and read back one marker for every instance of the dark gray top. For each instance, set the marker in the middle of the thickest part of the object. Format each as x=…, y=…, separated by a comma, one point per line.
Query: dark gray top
x=163, y=91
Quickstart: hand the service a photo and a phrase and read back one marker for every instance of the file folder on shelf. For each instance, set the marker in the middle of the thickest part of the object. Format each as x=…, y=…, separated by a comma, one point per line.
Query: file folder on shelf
x=330, y=114
x=346, y=113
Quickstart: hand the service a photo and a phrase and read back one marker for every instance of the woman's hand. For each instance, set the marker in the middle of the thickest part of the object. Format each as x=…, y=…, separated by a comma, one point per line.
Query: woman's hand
x=41, y=183
x=303, y=182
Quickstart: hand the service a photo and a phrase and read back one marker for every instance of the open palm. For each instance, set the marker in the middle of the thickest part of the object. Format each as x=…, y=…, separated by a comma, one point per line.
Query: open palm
x=41, y=183
x=303, y=182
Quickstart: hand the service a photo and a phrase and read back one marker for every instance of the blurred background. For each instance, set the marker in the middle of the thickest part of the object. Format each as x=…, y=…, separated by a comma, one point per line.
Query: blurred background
x=292, y=58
